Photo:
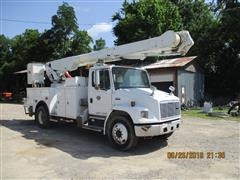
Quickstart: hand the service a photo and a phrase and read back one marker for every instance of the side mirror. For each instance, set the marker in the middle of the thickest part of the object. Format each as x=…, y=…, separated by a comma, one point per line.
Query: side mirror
x=172, y=89
x=153, y=88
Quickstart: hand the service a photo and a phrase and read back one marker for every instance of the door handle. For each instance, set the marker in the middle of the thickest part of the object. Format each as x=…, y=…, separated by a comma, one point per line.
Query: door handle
x=91, y=100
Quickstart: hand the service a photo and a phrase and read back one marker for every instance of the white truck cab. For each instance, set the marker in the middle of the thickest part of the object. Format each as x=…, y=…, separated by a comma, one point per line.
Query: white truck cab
x=127, y=92
x=117, y=101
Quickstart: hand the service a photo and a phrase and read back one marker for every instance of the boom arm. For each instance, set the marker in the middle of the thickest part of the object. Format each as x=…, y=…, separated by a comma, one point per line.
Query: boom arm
x=168, y=44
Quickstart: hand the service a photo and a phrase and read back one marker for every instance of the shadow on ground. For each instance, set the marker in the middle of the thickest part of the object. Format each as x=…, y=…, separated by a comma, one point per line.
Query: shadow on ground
x=77, y=142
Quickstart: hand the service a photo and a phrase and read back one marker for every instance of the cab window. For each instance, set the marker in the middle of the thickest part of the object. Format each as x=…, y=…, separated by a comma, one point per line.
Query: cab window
x=104, y=80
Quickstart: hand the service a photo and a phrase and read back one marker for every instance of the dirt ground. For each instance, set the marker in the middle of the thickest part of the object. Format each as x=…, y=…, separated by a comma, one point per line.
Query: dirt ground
x=65, y=152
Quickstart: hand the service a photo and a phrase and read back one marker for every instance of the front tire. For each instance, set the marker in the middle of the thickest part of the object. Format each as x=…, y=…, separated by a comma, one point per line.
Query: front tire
x=42, y=117
x=121, y=134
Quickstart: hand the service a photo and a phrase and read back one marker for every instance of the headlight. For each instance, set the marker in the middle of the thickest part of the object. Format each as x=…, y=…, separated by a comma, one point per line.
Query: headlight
x=144, y=114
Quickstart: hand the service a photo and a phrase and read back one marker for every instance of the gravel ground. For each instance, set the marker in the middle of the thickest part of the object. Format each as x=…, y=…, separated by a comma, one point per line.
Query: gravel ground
x=65, y=152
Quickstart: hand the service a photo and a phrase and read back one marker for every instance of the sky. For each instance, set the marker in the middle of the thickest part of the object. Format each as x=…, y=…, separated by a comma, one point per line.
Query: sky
x=93, y=15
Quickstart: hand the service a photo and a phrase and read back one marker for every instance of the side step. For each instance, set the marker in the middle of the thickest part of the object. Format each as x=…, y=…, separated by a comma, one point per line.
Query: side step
x=93, y=128
x=79, y=123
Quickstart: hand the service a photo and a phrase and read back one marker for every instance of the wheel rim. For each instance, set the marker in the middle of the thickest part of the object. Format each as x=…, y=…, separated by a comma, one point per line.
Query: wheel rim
x=41, y=116
x=120, y=133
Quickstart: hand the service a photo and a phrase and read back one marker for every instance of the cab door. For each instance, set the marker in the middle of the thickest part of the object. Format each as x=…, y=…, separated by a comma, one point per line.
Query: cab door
x=100, y=95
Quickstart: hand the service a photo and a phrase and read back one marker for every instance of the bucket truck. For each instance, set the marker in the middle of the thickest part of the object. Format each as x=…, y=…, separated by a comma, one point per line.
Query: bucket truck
x=117, y=101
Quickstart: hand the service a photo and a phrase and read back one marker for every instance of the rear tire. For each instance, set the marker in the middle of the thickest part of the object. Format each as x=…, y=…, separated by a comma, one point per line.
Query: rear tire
x=42, y=117
x=121, y=133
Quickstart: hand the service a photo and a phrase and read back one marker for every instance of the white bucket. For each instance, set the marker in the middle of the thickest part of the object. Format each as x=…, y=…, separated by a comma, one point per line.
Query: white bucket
x=207, y=107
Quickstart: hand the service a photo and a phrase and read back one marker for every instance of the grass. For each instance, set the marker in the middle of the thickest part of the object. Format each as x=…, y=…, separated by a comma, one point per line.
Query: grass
x=197, y=112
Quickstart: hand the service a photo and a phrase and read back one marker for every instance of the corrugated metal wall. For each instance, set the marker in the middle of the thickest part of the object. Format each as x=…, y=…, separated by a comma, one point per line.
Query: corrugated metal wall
x=194, y=86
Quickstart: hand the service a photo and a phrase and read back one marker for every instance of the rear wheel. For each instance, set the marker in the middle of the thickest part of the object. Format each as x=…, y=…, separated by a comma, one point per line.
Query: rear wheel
x=121, y=133
x=42, y=117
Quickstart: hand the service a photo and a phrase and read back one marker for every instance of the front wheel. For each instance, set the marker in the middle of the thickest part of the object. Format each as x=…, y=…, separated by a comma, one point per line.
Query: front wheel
x=121, y=134
x=42, y=117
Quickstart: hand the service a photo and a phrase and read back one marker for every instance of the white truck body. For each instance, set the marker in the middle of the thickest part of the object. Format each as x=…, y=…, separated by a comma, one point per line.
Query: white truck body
x=117, y=101
x=62, y=101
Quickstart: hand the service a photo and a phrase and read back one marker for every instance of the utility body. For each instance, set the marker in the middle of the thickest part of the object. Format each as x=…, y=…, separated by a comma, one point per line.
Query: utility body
x=117, y=101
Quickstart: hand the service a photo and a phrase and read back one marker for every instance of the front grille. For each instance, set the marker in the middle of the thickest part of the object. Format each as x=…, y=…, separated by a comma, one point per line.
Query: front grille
x=169, y=109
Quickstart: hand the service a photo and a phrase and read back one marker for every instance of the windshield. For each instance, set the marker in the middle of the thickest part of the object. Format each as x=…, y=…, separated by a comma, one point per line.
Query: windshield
x=129, y=78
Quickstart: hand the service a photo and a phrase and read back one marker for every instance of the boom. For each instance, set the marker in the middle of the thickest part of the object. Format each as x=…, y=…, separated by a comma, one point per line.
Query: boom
x=168, y=44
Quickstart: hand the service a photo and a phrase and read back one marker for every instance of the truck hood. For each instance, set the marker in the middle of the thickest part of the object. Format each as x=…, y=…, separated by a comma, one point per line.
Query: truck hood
x=143, y=99
x=136, y=93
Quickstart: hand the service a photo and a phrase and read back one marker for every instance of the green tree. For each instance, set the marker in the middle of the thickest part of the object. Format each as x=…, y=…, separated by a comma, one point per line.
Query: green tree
x=55, y=42
x=65, y=21
x=198, y=19
x=22, y=51
x=99, y=44
x=23, y=47
x=46, y=46
x=80, y=43
x=5, y=45
x=225, y=79
x=144, y=19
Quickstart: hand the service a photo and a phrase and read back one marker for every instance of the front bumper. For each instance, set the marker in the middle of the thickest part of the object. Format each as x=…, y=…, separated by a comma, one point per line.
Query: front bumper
x=147, y=130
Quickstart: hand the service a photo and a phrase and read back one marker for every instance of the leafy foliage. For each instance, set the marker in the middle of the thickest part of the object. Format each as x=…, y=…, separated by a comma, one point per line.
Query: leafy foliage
x=5, y=45
x=99, y=44
x=65, y=21
x=64, y=26
x=144, y=19
x=214, y=28
x=80, y=43
x=224, y=80
x=19, y=52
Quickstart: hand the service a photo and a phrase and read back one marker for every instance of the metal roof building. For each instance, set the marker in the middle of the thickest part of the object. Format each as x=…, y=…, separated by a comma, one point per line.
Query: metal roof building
x=182, y=73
